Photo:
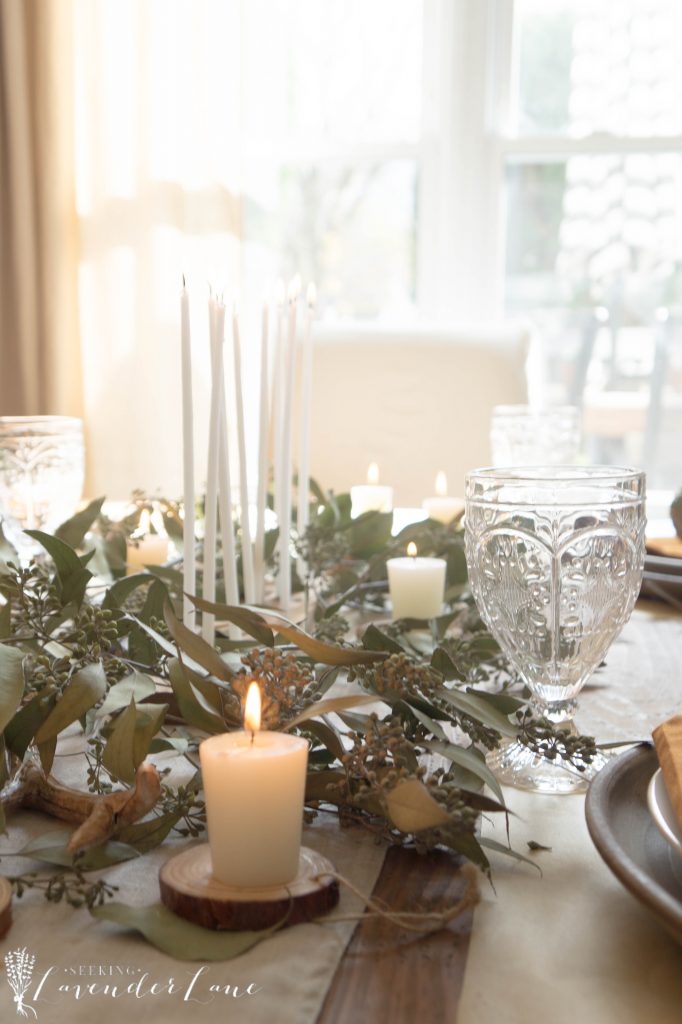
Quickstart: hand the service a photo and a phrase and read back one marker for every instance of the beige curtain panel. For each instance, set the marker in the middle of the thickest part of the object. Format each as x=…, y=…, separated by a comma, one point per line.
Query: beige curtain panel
x=40, y=363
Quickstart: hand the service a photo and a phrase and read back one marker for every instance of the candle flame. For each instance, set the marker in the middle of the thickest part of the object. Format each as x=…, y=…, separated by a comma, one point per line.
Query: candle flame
x=156, y=519
x=252, y=708
x=145, y=521
x=311, y=295
x=412, y=550
x=280, y=292
x=373, y=474
x=441, y=484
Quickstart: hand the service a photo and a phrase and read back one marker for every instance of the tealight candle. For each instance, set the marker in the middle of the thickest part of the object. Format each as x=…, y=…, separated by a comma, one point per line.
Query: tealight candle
x=254, y=786
x=145, y=548
x=442, y=506
x=371, y=497
x=416, y=585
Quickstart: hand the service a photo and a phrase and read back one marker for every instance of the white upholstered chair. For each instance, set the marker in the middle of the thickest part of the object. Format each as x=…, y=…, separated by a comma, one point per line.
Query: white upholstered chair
x=414, y=401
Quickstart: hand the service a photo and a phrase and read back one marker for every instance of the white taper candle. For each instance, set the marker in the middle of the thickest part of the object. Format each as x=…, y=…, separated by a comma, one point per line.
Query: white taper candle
x=247, y=547
x=263, y=444
x=188, y=539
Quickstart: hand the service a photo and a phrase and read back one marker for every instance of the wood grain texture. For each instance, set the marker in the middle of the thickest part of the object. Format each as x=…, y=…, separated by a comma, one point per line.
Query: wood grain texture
x=400, y=976
x=189, y=889
x=5, y=906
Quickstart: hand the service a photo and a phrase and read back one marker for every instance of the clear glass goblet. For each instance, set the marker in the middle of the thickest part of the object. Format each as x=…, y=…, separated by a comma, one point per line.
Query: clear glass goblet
x=42, y=467
x=526, y=435
x=555, y=557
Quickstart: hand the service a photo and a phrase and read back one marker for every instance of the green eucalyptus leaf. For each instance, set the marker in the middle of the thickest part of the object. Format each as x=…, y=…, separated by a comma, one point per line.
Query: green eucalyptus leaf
x=246, y=619
x=46, y=752
x=194, y=708
x=120, y=591
x=374, y=640
x=327, y=736
x=6, y=620
x=50, y=847
x=72, y=575
x=130, y=739
x=11, y=683
x=84, y=690
x=327, y=707
x=411, y=807
x=73, y=531
x=327, y=654
x=144, y=836
x=443, y=663
x=317, y=784
x=157, y=597
x=135, y=686
x=492, y=844
x=20, y=731
x=469, y=758
x=474, y=706
x=370, y=533
x=195, y=646
x=177, y=937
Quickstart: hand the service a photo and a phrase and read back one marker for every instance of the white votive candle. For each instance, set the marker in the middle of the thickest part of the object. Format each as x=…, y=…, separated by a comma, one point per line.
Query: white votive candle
x=416, y=585
x=442, y=507
x=372, y=496
x=144, y=548
x=254, y=787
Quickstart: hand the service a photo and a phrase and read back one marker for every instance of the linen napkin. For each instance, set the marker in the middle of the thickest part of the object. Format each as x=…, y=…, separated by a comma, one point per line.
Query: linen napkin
x=668, y=743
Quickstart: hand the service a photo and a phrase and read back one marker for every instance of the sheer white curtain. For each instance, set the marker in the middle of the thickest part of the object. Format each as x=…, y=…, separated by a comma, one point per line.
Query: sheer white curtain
x=158, y=191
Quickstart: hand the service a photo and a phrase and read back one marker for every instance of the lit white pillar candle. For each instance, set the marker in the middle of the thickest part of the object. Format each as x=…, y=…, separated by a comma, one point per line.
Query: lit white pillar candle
x=372, y=496
x=442, y=506
x=254, y=786
x=416, y=585
x=189, y=581
x=144, y=548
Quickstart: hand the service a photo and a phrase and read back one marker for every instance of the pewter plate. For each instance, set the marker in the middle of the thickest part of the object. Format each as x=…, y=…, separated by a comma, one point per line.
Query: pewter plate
x=622, y=829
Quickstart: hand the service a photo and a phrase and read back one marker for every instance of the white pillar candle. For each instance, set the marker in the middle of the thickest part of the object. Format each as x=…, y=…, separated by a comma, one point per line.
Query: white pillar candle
x=189, y=542
x=416, y=585
x=371, y=497
x=442, y=506
x=254, y=786
x=144, y=548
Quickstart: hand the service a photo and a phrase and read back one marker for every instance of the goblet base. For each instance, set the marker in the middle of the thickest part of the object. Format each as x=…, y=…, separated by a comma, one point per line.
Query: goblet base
x=514, y=764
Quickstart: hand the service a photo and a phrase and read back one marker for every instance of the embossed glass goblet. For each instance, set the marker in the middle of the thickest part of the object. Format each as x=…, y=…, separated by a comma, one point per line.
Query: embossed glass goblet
x=42, y=465
x=555, y=557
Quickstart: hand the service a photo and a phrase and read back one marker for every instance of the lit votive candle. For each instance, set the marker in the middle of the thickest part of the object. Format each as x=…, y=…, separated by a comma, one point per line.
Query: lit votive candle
x=442, y=506
x=416, y=585
x=145, y=548
x=372, y=496
x=254, y=787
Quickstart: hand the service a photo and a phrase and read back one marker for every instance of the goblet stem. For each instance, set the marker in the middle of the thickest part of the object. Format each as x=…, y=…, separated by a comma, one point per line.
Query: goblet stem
x=558, y=712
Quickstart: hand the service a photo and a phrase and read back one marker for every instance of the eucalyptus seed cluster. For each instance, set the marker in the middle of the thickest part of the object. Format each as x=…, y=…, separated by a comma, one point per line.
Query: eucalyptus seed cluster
x=398, y=676
x=381, y=756
x=322, y=546
x=554, y=743
x=95, y=634
x=71, y=886
x=462, y=816
x=332, y=630
x=287, y=684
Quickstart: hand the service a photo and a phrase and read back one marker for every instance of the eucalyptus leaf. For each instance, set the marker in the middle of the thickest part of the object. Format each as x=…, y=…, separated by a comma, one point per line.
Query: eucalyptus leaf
x=492, y=844
x=374, y=640
x=197, y=648
x=317, y=784
x=6, y=619
x=474, y=706
x=246, y=619
x=11, y=682
x=177, y=937
x=84, y=690
x=50, y=847
x=20, y=731
x=327, y=654
x=327, y=736
x=135, y=686
x=73, y=531
x=130, y=739
x=155, y=602
x=194, y=708
x=469, y=758
x=144, y=836
x=120, y=591
x=72, y=575
x=326, y=707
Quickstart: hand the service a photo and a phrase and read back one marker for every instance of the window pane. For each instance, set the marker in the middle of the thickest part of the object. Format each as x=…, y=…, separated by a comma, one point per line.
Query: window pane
x=594, y=256
x=584, y=67
x=349, y=227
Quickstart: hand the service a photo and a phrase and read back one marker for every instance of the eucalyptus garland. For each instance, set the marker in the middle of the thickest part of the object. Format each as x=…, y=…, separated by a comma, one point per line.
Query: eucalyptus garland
x=399, y=715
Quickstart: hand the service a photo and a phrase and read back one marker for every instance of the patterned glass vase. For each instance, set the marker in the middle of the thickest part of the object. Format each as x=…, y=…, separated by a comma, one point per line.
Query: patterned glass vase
x=555, y=558
x=42, y=466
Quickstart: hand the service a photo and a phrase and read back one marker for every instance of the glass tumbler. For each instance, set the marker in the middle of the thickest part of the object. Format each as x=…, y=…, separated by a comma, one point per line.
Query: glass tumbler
x=42, y=468
x=525, y=435
x=555, y=557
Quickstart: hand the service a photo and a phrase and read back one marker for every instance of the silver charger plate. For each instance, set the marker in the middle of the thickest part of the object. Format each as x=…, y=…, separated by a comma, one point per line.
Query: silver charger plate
x=623, y=831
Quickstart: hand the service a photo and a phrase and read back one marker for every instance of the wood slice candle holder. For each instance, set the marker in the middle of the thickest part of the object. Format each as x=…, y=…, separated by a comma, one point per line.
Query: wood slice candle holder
x=189, y=889
x=5, y=906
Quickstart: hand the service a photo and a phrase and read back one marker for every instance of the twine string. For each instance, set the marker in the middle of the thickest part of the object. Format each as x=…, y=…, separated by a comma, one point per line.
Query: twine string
x=422, y=922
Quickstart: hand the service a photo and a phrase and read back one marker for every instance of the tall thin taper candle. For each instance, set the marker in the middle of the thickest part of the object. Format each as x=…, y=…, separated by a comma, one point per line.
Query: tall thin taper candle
x=263, y=443
x=306, y=404
x=224, y=481
x=188, y=542
x=247, y=547
x=285, y=522
x=278, y=388
x=211, y=510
